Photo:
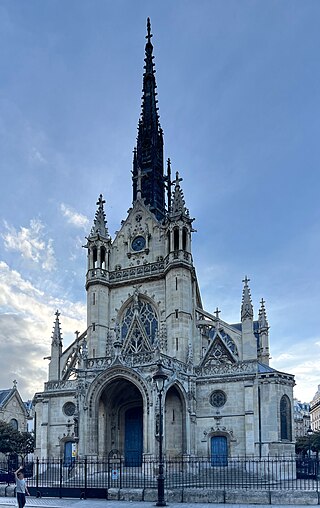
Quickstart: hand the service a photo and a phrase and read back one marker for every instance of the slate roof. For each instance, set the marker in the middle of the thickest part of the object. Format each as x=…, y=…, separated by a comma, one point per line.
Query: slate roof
x=4, y=396
x=262, y=368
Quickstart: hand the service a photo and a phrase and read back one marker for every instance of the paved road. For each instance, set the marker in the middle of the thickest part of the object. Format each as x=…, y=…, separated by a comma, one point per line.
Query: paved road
x=9, y=502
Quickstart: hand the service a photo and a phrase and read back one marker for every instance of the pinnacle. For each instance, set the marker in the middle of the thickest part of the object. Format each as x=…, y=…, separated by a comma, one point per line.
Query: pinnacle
x=246, y=307
x=178, y=205
x=100, y=224
x=263, y=322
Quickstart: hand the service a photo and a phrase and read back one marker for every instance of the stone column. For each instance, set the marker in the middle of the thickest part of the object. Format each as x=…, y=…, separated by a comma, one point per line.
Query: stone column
x=249, y=418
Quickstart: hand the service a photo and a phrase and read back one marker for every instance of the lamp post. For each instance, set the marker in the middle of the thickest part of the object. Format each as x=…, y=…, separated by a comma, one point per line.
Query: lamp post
x=309, y=432
x=160, y=377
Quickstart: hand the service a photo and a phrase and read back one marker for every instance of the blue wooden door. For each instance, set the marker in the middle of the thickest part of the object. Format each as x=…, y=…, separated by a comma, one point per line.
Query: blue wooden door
x=68, y=459
x=133, y=442
x=219, y=451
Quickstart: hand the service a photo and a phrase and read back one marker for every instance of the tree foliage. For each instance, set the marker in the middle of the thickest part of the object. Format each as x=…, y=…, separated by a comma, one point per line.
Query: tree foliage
x=306, y=443
x=13, y=441
x=25, y=444
x=8, y=438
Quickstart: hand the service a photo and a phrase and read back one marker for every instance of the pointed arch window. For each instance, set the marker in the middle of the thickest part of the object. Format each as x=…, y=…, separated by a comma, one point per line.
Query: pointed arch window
x=146, y=314
x=176, y=239
x=184, y=238
x=285, y=419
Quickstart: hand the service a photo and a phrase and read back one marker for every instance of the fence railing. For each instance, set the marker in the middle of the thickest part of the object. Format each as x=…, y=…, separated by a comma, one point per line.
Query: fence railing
x=180, y=473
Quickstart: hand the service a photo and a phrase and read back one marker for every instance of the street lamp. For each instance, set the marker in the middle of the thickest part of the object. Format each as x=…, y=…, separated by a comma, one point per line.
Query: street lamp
x=159, y=378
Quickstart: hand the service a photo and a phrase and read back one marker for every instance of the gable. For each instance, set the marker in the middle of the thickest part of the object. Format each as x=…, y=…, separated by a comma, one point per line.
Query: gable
x=221, y=350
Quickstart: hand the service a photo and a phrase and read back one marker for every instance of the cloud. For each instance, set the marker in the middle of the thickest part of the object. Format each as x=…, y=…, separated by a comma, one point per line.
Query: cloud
x=31, y=243
x=36, y=156
x=75, y=218
x=296, y=360
x=26, y=323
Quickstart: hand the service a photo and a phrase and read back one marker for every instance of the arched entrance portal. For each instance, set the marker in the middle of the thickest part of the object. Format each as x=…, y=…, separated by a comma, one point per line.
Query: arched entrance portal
x=121, y=421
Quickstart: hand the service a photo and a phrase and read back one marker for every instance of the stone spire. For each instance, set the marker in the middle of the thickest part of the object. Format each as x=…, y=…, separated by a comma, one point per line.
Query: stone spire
x=246, y=307
x=56, y=351
x=262, y=320
x=178, y=205
x=99, y=227
x=148, y=156
x=56, y=334
x=263, y=349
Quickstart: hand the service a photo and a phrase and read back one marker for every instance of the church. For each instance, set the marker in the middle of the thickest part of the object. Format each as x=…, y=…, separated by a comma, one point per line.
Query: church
x=221, y=398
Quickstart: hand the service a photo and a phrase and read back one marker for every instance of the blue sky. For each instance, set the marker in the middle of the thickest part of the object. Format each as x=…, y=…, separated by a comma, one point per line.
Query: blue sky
x=239, y=91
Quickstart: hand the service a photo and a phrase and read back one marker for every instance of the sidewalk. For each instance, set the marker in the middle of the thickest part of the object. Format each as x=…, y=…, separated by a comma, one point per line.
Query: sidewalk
x=9, y=502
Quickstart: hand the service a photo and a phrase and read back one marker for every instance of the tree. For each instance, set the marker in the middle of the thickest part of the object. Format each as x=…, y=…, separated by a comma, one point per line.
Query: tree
x=25, y=444
x=15, y=442
x=8, y=438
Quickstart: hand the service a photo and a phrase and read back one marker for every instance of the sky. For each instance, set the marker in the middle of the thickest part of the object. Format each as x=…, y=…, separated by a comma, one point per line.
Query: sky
x=238, y=89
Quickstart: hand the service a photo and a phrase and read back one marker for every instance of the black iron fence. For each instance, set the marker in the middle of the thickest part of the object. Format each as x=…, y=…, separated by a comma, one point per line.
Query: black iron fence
x=58, y=477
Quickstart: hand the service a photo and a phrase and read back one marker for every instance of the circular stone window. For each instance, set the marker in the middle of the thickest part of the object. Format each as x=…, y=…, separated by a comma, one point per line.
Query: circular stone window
x=218, y=398
x=69, y=408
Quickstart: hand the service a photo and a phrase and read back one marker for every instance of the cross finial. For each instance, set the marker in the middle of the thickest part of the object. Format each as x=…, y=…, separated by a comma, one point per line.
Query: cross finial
x=100, y=201
x=57, y=313
x=149, y=34
x=177, y=178
x=217, y=312
x=15, y=383
x=246, y=280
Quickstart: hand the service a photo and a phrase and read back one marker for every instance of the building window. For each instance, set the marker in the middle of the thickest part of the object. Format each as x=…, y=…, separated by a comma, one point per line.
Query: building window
x=69, y=408
x=176, y=239
x=184, y=239
x=285, y=418
x=218, y=398
x=147, y=318
x=14, y=423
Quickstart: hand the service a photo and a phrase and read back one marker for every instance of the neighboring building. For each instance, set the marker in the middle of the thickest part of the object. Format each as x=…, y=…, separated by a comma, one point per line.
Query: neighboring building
x=315, y=411
x=144, y=308
x=12, y=408
x=301, y=417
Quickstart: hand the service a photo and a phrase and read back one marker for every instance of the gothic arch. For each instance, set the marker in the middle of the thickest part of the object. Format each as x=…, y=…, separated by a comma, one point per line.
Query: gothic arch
x=113, y=395
x=175, y=414
x=138, y=323
x=285, y=419
x=116, y=372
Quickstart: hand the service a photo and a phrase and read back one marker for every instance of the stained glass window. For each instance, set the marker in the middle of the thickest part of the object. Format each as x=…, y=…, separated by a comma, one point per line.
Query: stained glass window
x=147, y=316
x=285, y=418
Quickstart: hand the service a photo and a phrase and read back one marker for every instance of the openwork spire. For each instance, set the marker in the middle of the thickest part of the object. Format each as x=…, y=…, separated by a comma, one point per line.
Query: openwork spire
x=100, y=223
x=56, y=334
x=178, y=205
x=263, y=322
x=246, y=307
x=149, y=151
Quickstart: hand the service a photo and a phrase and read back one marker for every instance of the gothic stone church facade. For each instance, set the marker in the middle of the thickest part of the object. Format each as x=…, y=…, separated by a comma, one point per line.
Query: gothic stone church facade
x=144, y=307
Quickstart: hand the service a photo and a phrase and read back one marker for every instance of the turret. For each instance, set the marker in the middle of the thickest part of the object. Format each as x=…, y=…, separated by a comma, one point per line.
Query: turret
x=263, y=330
x=98, y=245
x=179, y=224
x=249, y=343
x=180, y=277
x=56, y=351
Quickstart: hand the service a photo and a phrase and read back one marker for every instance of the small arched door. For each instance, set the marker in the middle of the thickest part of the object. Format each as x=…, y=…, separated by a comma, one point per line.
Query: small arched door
x=219, y=451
